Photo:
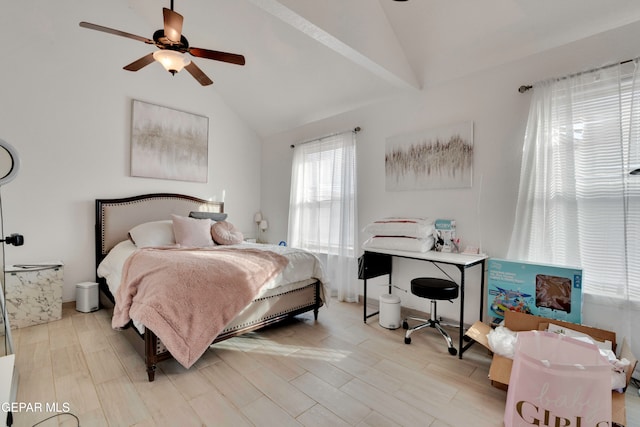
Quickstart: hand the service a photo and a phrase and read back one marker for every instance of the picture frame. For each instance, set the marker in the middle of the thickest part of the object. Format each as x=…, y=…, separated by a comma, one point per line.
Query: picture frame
x=168, y=144
x=439, y=158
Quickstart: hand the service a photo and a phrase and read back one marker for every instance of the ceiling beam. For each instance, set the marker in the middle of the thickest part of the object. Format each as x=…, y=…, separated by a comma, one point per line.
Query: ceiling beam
x=357, y=29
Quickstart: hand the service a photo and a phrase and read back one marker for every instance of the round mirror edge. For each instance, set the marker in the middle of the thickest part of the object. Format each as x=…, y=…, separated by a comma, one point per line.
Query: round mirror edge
x=15, y=165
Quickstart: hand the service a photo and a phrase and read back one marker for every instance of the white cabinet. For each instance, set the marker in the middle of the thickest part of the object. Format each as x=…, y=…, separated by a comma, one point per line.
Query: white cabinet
x=34, y=293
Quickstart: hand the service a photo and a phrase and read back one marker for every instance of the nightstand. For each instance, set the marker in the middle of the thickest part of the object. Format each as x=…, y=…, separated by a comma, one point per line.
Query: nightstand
x=34, y=293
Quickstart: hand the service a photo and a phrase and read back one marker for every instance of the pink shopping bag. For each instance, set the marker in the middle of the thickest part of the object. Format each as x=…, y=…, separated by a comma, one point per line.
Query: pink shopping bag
x=558, y=381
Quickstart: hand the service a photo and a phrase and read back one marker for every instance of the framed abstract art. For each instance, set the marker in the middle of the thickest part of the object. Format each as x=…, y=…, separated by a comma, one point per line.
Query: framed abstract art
x=431, y=159
x=168, y=143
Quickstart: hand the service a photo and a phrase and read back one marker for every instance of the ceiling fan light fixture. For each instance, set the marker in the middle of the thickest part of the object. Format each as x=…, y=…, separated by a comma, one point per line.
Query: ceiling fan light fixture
x=172, y=48
x=172, y=61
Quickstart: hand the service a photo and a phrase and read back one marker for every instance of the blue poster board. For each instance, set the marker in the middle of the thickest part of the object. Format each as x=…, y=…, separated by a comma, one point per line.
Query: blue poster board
x=545, y=290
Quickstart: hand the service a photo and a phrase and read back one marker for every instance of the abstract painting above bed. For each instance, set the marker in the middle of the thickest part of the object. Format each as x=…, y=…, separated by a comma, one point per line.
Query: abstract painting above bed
x=168, y=143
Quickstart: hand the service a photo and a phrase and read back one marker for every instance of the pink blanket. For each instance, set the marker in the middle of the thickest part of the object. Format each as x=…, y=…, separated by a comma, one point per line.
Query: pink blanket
x=187, y=296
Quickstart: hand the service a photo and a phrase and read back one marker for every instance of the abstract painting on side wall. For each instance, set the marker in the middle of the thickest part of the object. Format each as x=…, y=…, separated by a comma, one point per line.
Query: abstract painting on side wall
x=168, y=144
x=432, y=159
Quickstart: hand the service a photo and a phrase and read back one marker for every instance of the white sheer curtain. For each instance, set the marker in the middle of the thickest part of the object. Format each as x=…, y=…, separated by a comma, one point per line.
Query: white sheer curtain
x=578, y=205
x=323, y=208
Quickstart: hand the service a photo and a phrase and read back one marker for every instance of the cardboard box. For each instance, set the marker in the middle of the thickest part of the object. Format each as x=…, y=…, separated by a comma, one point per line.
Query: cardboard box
x=543, y=290
x=500, y=369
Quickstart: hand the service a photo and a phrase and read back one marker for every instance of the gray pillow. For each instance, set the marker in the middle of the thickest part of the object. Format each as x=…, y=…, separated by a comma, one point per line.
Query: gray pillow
x=214, y=216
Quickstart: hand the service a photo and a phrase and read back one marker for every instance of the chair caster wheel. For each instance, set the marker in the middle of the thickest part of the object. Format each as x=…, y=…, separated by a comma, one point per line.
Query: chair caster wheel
x=407, y=340
x=405, y=325
x=453, y=351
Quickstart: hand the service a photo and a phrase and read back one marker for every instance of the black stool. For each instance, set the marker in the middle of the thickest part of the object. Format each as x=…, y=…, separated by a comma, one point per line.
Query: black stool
x=435, y=289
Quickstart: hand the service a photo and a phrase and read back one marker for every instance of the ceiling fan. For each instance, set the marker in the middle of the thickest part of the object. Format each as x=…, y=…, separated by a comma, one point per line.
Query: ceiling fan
x=172, y=46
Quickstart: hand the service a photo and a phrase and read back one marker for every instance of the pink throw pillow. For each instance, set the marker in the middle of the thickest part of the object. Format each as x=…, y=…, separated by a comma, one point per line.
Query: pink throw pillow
x=191, y=232
x=225, y=233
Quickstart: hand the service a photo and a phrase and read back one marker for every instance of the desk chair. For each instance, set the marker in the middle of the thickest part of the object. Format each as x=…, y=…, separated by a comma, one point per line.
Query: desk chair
x=435, y=289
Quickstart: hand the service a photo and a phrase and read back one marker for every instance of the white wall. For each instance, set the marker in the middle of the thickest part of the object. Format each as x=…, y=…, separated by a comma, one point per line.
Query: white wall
x=484, y=213
x=66, y=107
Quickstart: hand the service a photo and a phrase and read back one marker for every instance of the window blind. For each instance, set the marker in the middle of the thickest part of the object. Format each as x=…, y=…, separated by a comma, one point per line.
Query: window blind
x=578, y=205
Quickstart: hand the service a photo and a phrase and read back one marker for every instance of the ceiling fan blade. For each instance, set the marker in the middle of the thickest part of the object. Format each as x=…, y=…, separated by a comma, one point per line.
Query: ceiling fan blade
x=139, y=63
x=198, y=74
x=116, y=32
x=217, y=56
x=172, y=24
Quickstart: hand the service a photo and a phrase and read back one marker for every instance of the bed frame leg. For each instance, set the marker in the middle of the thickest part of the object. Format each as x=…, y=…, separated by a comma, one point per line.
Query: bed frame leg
x=318, y=304
x=151, y=372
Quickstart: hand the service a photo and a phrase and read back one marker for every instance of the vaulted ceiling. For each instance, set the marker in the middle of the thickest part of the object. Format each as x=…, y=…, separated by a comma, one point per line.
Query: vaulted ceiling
x=311, y=59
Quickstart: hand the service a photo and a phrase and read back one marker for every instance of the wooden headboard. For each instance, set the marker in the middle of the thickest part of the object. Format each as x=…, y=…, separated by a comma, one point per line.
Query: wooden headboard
x=115, y=217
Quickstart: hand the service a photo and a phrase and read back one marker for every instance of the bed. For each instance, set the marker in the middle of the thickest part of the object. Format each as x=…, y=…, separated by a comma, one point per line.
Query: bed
x=297, y=289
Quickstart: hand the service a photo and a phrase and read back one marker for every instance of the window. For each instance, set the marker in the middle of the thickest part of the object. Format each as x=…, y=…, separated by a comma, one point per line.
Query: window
x=578, y=205
x=322, y=210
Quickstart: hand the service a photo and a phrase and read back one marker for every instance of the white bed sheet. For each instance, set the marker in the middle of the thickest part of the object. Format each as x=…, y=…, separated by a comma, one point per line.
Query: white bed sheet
x=303, y=268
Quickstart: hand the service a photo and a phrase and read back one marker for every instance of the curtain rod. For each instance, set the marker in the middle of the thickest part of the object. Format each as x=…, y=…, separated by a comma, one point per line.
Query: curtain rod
x=354, y=130
x=524, y=88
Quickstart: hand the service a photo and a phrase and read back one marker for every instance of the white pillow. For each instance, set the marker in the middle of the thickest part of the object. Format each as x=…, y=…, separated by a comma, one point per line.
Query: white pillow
x=155, y=233
x=192, y=232
x=411, y=227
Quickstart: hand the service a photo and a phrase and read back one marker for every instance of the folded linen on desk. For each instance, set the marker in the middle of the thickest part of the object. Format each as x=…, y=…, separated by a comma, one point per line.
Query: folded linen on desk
x=401, y=243
x=394, y=226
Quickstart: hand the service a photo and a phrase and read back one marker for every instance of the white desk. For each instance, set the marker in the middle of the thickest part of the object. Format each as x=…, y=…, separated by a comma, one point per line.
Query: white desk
x=377, y=262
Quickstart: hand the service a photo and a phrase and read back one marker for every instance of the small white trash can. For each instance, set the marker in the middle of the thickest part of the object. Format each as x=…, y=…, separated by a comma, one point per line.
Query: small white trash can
x=389, y=316
x=87, y=298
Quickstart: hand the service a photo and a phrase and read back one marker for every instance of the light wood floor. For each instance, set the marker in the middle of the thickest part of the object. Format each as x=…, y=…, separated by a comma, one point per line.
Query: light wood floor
x=333, y=372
